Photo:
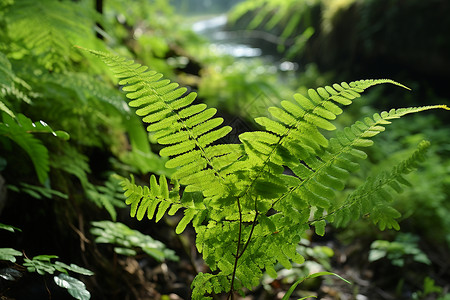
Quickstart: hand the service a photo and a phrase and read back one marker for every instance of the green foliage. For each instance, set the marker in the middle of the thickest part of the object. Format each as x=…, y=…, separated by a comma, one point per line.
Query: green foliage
x=42, y=264
x=374, y=197
x=19, y=129
x=248, y=213
x=75, y=287
x=128, y=240
x=249, y=203
x=9, y=228
x=45, y=79
x=317, y=259
x=108, y=196
x=429, y=187
x=147, y=200
x=405, y=245
x=9, y=254
x=36, y=191
x=48, y=92
x=48, y=29
x=430, y=288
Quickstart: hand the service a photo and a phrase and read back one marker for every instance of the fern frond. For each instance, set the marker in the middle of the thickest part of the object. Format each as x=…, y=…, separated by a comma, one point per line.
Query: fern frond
x=6, y=73
x=48, y=29
x=206, y=283
x=294, y=130
x=373, y=198
x=146, y=200
x=323, y=174
x=20, y=131
x=189, y=131
x=10, y=85
x=251, y=203
x=154, y=201
x=293, y=139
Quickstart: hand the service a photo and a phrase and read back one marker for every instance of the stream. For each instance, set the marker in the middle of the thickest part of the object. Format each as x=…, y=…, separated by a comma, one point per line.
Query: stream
x=238, y=44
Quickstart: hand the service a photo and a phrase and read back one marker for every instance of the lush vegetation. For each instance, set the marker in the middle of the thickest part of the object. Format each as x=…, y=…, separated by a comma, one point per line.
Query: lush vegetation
x=67, y=132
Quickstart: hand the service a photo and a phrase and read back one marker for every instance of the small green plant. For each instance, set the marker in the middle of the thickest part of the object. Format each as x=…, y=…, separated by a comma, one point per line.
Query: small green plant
x=429, y=288
x=127, y=240
x=250, y=203
x=43, y=264
x=404, y=246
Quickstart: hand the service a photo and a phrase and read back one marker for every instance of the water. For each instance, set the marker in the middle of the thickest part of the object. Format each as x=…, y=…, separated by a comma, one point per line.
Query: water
x=222, y=41
x=238, y=43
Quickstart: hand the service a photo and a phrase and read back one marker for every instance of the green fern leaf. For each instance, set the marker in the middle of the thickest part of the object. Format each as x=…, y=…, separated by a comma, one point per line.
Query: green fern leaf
x=188, y=130
x=385, y=217
x=339, y=157
x=48, y=30
x=374, y=196
x=141, y=199
x=189, y=214
x=297, y=129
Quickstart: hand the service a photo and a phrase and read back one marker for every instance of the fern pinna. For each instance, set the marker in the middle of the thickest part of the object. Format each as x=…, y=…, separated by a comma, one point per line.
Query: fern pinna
x=250, y=203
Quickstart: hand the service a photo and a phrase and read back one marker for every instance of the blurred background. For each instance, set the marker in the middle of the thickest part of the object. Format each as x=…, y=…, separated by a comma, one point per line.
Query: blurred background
x=65, y=129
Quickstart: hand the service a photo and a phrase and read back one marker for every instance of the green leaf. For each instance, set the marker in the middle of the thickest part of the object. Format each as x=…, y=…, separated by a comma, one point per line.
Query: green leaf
x=44, y=257
x=75, y=268
x=75, y=287
x=9, y=227
x=40, y=264
x=189, y=214
x=39, y=127
x=9, y=254
x=128, y=240
x=10, y=274
x=5, y=108
x=268, y=189
x=37, y=191
x=125, y=251
x=320, y=227
x=37, y=152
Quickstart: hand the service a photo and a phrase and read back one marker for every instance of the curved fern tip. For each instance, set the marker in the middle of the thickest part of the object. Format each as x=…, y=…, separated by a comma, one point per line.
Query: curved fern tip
x=398, y=84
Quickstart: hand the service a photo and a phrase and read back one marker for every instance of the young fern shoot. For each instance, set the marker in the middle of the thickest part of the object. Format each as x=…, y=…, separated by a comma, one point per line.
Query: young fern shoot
x=247, y=212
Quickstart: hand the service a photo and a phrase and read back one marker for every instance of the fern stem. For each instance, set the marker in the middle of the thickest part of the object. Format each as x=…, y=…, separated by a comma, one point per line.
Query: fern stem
x=253, y=227
x=250, y=235
x=237, y=256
